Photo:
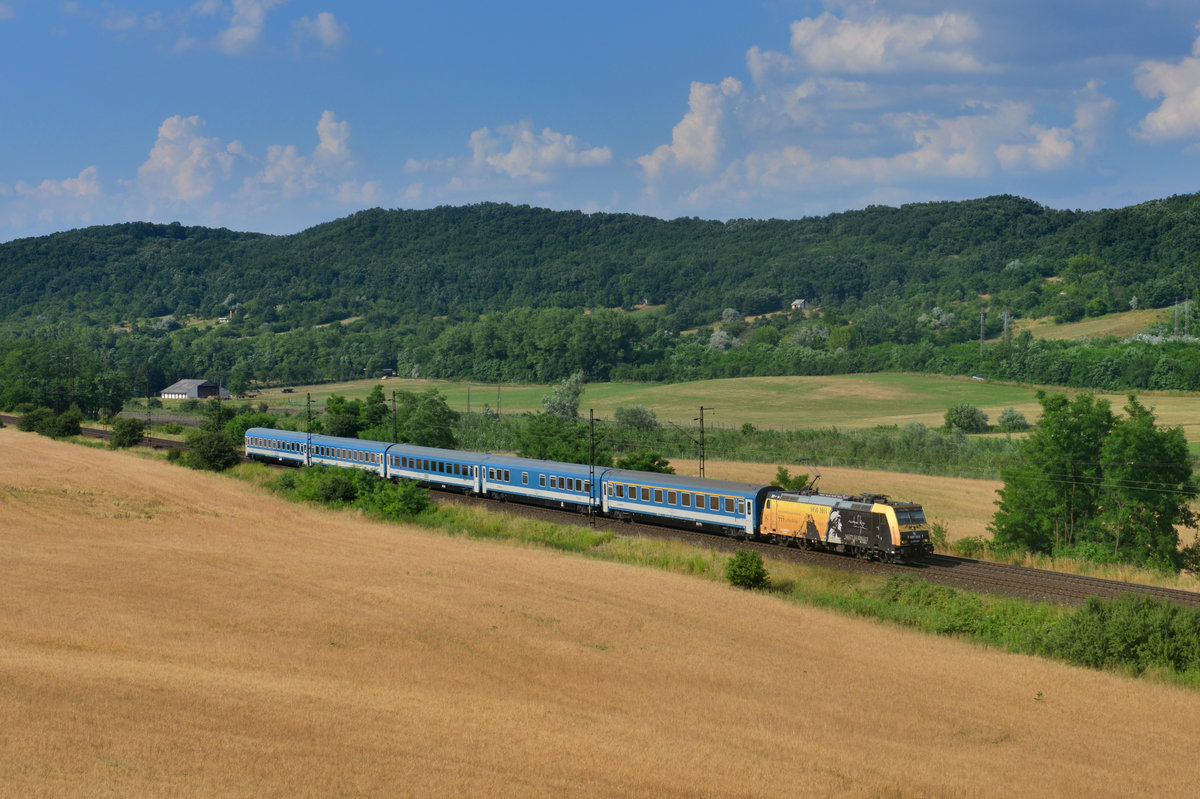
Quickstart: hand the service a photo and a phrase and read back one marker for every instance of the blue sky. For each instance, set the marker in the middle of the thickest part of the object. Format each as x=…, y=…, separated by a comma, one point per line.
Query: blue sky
x=275, y=115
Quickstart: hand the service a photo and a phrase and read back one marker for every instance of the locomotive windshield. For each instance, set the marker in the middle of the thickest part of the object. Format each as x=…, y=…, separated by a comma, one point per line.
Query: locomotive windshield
x=910, y=516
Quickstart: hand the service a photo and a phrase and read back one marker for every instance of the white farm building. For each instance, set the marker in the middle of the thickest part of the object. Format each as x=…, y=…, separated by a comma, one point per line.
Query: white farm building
x=194, y=389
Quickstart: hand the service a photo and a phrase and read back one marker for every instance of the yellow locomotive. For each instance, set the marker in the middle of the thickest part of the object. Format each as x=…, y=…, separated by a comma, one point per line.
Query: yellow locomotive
x=866, y=525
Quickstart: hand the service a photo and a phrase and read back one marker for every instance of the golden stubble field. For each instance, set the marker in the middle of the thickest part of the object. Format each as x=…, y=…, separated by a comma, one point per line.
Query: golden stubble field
x=167, y=633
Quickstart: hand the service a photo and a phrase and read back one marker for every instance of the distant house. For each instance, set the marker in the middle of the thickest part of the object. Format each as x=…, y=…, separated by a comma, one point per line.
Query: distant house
x=194, y=389
x=800, y=305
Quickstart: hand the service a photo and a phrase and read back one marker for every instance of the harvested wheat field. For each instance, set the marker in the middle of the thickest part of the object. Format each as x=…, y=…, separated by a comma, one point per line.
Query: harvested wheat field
x=167, y=633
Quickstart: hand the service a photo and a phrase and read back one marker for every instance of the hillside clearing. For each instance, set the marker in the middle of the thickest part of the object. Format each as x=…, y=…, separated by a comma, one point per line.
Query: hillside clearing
x=174, y=633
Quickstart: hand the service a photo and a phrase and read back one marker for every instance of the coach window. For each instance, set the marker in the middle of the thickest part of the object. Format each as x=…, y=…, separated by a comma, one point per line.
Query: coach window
x=620, y=491
x=553, y=481
x=714, y=503
x=687, y=499
x=645, y=495
x=729, y=504
x=587, y=487
x=524, y=478
x=542, y=480
x=507, y=476
x=670, y=497
x=491, y=474
x=741, y=506
x=658, y=496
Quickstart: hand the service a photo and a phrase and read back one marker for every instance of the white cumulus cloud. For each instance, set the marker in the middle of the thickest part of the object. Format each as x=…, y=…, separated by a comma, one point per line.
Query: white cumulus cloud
x=324, y=29
x=184, y=165
x=246, y=25
x=696, y=141
x=520, y=152
x=86, y=185
x=1178, y=115
x=882, y=44
x=290, y=174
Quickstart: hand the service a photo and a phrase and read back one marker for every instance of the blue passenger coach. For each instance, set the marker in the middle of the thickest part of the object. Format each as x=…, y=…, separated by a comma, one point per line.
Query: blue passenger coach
x=445, y=468
x=721, y=505
x=352, y=452
x=277, y=446
x=563, y=485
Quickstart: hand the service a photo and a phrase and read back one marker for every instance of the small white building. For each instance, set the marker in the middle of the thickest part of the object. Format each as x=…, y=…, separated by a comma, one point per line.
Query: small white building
x=800, y=305
x=194, y=389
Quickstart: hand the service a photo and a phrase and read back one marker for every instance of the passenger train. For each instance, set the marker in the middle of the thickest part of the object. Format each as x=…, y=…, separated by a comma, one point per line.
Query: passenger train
x=867, y=525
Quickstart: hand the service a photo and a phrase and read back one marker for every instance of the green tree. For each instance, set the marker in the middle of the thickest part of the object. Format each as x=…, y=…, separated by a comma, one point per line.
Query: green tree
x=564, y=400
x=430, y=421
x=1051, y=494
x=967, y=418
x=549, y=437
x=1148, y=483
x=646, y=461
x=636, y=417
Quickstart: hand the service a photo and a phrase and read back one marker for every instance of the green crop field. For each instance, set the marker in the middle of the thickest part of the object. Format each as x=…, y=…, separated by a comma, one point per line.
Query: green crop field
x=848, y=402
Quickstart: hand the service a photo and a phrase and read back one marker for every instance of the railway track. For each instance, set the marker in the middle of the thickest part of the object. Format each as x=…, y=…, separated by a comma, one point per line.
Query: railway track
x=1022, y=582
x=996, y=578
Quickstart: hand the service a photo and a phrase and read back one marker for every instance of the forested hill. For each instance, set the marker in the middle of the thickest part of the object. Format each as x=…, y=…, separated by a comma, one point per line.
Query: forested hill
x=395, y=266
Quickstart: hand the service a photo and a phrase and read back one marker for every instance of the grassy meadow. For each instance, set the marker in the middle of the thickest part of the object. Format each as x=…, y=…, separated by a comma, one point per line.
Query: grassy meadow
x=847, y=402
x=1121, y=325
x=174, y=633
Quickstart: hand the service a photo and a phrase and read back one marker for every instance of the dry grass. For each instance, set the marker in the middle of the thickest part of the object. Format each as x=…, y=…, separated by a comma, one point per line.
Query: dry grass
x=169, y=633
x=1122, y=325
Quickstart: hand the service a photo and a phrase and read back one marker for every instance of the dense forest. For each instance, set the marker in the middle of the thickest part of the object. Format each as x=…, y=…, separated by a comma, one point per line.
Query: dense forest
x=496, y=291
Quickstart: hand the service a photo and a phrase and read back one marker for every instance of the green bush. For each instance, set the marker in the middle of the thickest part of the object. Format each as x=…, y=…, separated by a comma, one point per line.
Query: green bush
x=210, y=450
x=967, y=418
x=34, y=419
x=1129, y=632
x=746, y=570
x=126, y=433
x=1011, y=421
x=333, y=485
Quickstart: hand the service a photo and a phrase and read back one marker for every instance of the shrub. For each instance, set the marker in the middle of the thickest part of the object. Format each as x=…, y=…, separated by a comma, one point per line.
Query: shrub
x=1129, y=632
x=66, y=424
x=746, y=570
x=967, y=418
x=34, y=419
x=210, y=450
x=126, y=433
x=1011, y=420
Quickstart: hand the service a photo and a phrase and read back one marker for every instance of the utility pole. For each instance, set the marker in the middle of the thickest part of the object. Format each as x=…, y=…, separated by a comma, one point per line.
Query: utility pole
x=468, y=400
x=308, y=428
x=701, y=419
x=592, y=466
x=982, y=317
x=499, y=380
x=1176, y=317
x=394, y=430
